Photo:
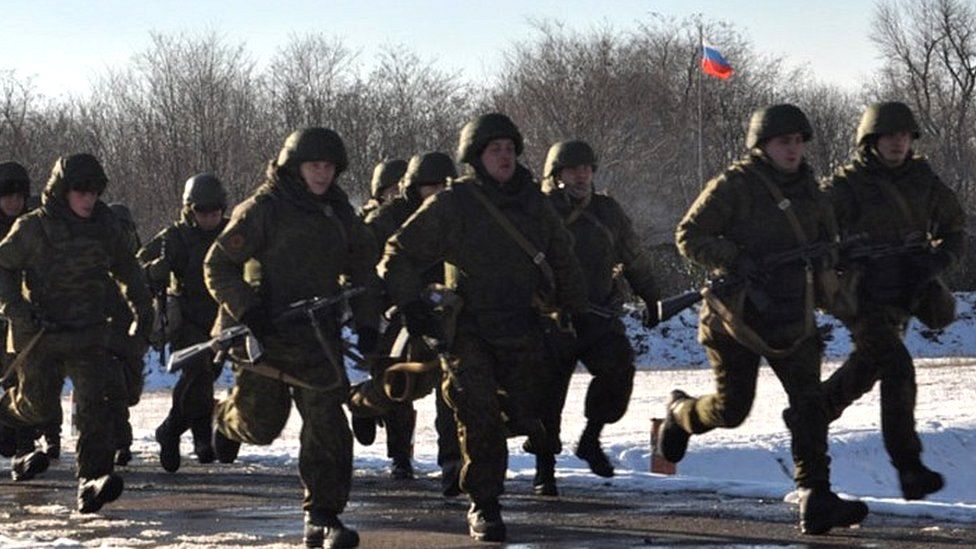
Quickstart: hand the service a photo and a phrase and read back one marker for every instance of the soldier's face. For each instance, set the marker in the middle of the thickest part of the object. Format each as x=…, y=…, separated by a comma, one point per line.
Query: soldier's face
x=786, y=151
x=12, y=204
x=389, y=193
x=893, y=148
x=578, y=180
x=430, y=189
x=317, y=175
x=208, y=219
x=499, y=159
x=82, y=203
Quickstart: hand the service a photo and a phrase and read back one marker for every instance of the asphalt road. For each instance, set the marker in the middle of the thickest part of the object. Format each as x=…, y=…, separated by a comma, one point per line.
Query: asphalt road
x=240, y=505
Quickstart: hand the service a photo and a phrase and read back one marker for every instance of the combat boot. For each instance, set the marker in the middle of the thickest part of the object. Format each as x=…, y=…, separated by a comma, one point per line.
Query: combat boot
x=588, y=449
x=918, y=481
x=324, y=529
x=203, y=440
x=485, y=521
x=821, y=510
x=123, y=456
x=544, y=482
x=224, y=448
x=95, y=492
x=402, y=469
x=364, y=429
x=451, y=479
x=169, y=446
x=673, y=439
x=27, y=466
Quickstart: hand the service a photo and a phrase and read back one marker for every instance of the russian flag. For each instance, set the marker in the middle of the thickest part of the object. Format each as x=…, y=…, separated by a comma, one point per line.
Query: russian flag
x=714, y=64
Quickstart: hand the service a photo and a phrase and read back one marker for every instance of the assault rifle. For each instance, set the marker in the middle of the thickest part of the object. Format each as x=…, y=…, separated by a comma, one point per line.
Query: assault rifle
x=914, y=243
x=726, y=284
x=228, y=338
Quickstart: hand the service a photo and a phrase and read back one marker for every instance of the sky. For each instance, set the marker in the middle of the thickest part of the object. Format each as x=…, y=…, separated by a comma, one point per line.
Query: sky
x=64, y=44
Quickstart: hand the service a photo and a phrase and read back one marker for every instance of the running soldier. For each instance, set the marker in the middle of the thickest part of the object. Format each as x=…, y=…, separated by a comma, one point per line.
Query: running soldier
x=67, y=255
x=173, y=261
x=765, y=204
x=301, y=230
x=505, y=245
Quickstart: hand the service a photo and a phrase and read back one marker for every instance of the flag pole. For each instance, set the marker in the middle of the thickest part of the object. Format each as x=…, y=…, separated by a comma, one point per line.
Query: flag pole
x=701, y=53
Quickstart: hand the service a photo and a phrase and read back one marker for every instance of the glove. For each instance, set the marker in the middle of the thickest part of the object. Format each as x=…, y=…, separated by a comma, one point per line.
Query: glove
x=649, y=317
x=368, y=338
x=259, y=322
x=421, y=321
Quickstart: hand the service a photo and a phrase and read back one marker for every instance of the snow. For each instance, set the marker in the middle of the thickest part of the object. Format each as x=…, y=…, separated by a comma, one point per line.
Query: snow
x=751, y=461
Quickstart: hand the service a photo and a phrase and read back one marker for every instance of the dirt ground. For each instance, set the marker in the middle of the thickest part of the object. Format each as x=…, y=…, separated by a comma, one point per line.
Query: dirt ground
x=253, y=505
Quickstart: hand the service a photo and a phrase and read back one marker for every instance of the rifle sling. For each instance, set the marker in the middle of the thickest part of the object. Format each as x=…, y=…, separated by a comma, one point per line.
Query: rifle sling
x=581, y=210
x=537, y=257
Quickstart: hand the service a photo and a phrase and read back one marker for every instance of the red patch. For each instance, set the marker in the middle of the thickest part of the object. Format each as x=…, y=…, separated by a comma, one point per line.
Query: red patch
x=235, y=241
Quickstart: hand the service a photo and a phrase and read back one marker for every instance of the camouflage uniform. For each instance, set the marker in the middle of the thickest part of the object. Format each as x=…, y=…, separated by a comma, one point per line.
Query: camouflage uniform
x=303, y=244
x=400, y=419
x=173, y=261
x=498, y=344
x=732, y=226
x=62, y=261
x=386, y=174
x=125, y=351
x=890, y=288
x=603, y=239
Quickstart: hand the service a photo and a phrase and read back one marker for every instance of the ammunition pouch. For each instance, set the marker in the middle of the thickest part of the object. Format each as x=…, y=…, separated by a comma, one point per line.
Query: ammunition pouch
x=934, y=305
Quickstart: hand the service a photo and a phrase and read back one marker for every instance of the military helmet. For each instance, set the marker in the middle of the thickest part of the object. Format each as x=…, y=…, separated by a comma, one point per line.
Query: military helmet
x=885, y=118
x=387, y=174
x=82, y=172
x=313, y=145
x=204, y=190
x=777, y=120
x=429, y=168
x=476, y=134
x=568, y=154
x=13, y=179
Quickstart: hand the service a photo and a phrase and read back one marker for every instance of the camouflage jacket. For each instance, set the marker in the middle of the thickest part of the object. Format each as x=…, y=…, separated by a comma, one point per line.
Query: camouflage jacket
x=389, y=217
x=863, y=207
x=62, y=269
x=736, y=217
x=304, y=246
x=604, y=238
x=185, y=245
x=496, y=278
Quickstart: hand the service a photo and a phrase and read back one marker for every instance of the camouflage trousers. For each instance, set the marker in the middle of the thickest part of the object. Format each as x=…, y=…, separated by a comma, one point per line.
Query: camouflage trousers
x=36, y=399
x=257, y=409
x=736, y=371
x=605, y=351
x=879, y=353
x=193, y=394
x=490, y=387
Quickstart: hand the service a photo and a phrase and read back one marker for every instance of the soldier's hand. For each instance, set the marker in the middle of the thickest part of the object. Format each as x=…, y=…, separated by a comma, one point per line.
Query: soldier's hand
x=421, y=320
x=259, y=322
x=368, y=338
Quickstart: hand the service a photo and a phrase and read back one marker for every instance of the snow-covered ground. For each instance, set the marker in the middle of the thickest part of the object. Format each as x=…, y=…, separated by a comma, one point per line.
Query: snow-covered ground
x=753, y=460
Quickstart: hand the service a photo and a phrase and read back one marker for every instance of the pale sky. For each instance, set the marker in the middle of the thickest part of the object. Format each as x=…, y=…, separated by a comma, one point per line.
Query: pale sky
x=62, y=44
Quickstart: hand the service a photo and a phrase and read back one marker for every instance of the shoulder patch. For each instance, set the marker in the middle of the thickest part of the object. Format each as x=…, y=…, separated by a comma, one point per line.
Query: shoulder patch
x=235, y=241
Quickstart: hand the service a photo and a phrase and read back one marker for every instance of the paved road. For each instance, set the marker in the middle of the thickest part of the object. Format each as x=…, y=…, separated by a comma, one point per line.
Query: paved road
x=258, y=506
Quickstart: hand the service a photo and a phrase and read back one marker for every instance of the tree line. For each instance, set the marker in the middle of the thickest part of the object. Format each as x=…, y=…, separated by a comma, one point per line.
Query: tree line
x=199, y=102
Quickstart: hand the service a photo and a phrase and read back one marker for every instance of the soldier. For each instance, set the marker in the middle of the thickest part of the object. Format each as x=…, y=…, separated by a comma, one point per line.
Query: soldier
x=173, y=261
x=19, y=443
x=124, y=350
x=505, y=244
x=302, y=231
x=62, y=254
x=426, y=175
x=892, y=196
x=384, y=187
x=764, y=204
x=603, y=239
